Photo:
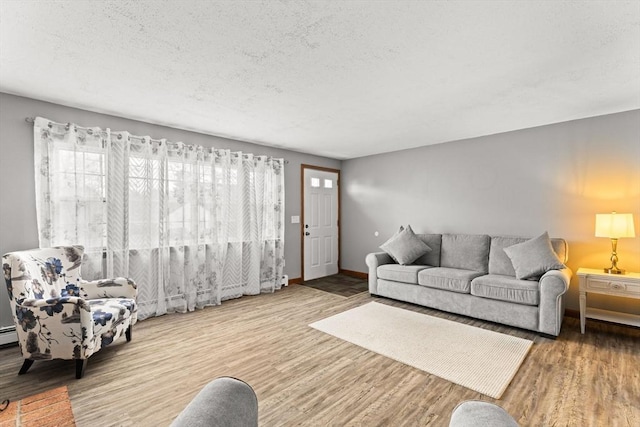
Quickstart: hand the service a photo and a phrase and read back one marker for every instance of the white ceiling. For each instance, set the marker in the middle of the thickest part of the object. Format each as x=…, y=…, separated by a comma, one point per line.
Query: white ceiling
x=341, y=79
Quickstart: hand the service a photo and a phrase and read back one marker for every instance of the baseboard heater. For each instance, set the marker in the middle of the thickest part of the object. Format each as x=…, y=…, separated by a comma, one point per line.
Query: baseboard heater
x=8, y=335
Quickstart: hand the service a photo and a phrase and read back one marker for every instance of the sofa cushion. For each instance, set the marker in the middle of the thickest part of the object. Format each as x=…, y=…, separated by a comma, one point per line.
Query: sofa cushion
x=405, y=247
x=465, y=252
x=400, y=273
x=506, y=288
x=434, y=241
x=533, y=257
x=499, y=262
x=450, y=279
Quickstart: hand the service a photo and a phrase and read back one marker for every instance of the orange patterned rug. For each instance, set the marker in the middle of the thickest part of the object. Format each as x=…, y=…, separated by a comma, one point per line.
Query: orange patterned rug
x=48, y=409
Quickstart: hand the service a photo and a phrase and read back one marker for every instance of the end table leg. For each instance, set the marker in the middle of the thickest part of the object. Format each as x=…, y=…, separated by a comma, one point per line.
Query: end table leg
x=583, y=307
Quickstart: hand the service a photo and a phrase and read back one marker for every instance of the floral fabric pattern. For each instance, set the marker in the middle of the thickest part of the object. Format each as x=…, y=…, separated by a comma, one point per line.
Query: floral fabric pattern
x=55, y=316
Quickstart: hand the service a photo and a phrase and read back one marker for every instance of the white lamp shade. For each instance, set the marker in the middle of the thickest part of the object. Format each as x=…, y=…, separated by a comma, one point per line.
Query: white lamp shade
x=615, y=225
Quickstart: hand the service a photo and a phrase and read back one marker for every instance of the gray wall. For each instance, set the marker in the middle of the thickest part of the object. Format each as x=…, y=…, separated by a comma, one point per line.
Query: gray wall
x=522, y=183
x=17, y=187
x=551, y=178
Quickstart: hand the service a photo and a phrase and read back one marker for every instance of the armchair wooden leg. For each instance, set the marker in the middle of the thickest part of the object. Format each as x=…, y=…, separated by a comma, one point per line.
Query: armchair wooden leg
x=80, y=365
x=128, y=332
x=25, y=366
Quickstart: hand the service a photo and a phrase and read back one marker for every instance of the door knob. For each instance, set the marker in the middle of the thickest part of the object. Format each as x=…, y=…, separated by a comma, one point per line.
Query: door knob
x=306, y=233
x=306, y=226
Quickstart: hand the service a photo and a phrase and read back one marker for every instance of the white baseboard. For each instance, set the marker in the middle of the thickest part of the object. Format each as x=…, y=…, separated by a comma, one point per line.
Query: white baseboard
x=8, y=335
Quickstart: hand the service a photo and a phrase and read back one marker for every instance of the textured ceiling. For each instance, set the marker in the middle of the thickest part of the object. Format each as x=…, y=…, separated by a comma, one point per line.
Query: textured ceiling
x=339, y=79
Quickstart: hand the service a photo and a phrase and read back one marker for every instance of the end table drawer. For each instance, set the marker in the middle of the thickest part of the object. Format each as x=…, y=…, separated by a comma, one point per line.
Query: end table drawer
x=613, y=287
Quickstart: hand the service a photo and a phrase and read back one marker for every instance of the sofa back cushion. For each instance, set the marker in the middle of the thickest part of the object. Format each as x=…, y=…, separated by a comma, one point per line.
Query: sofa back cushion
x=465, y=251
x=432, y=258
x=499, y=262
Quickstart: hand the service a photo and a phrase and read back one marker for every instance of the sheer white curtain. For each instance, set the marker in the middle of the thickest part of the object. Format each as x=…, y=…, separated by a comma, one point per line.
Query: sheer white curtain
x=191, y=225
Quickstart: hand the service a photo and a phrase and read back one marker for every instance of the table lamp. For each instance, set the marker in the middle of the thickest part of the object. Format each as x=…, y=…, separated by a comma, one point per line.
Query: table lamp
x=614, y=226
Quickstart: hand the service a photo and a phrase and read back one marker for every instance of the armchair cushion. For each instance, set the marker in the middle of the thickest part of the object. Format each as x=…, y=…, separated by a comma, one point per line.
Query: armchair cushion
x=119, y=287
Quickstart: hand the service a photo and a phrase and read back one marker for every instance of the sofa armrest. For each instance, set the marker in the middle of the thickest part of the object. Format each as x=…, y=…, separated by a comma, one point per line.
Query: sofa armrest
x=553, y=286
x=225, y=401
x=119, y=287
x=374, y=260
x=474, y=413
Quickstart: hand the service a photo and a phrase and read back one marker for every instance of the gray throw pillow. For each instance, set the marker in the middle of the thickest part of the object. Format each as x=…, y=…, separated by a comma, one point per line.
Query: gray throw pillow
x=533, y=257
x=390, y=239
x=405, y=247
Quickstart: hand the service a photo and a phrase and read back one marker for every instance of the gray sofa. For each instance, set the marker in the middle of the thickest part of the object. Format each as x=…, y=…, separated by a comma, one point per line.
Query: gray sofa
x=476, y=413
x=473, y=276
x=224, y=402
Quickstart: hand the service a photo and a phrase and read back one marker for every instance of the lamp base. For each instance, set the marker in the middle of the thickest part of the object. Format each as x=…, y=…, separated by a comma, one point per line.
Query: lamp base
x=614, y=270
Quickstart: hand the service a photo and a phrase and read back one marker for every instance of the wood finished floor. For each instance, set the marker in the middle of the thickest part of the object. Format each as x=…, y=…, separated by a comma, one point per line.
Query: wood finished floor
x=305, y=377
x=339, y=284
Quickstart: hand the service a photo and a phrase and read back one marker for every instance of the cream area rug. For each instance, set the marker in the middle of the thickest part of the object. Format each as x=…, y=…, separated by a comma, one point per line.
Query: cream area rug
x=482, y=360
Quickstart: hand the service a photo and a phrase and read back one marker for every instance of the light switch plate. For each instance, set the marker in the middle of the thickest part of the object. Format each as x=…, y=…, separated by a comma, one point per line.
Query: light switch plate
x=295, y=219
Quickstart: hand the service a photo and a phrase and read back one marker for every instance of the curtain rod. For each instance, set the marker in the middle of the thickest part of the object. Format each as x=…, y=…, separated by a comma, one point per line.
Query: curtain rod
x=33, y=120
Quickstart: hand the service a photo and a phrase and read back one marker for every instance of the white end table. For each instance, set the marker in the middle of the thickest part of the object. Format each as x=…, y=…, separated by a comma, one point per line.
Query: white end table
x=596, y=281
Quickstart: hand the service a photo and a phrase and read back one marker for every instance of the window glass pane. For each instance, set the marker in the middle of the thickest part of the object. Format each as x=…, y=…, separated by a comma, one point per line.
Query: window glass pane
x=175, y=170
x=206, y=174
x=93, y=187
x=315, y=182
x=66, y=184
x=328, y=183
x=66, y=161
x=79, y=162
x=93, y=163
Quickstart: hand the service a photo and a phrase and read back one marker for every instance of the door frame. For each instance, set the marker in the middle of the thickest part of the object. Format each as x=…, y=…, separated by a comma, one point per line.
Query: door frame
x=303, y=167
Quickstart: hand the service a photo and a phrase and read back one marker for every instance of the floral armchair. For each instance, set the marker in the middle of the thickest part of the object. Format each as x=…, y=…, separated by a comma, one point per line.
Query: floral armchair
x=60, y=316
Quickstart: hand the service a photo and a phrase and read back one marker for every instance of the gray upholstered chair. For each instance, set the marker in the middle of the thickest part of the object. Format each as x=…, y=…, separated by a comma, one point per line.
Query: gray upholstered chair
x=475, y=413
x=60, y=316
x=224, y=402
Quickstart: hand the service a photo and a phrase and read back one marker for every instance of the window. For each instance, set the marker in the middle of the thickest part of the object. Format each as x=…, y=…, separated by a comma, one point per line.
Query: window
x=194, y=225
x=328, y=183
x=79, y=178
x=315, y=182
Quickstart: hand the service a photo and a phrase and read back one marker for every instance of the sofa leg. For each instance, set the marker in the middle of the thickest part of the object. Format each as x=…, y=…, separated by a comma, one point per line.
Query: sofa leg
x=25, y=366
x=81, y=364
x=548, y=336
x=128, y=332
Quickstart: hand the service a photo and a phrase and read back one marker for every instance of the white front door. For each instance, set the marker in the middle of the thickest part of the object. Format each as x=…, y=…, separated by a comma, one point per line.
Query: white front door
x=320, y=226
